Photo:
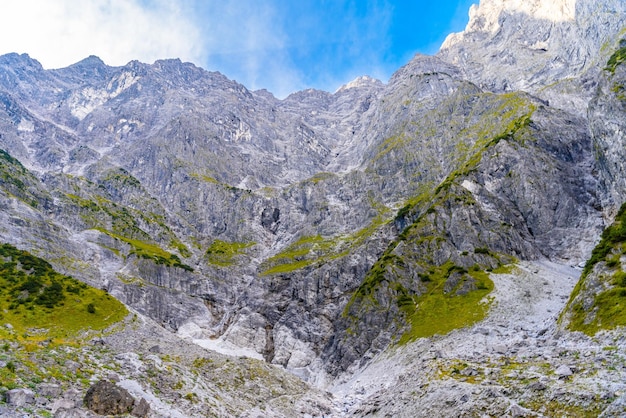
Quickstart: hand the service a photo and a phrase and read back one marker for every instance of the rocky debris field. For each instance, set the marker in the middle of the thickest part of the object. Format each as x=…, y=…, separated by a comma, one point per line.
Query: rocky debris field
x=518, y=362
x=143, y=370
x=515, y=363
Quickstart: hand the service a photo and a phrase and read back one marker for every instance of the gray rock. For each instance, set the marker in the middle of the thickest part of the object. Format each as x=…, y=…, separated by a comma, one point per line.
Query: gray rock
x=63, y=404
x=50, y=390
x=537, y=386
x=75, y=413
x=106, y=398
x=20, y=397
x=141, y=409
x=469, y=371
x=563, y=371
x=517, y=411
x=500, y=349
x=73, y=394
x=72, y=366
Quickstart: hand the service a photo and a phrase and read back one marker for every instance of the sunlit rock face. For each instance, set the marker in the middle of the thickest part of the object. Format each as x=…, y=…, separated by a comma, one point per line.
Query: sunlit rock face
x=550, y=48
x=485, y=17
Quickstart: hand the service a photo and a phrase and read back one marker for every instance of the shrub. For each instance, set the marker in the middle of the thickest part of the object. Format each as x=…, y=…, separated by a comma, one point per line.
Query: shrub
x=612, y=263
x=425, y=278
x=51, y=295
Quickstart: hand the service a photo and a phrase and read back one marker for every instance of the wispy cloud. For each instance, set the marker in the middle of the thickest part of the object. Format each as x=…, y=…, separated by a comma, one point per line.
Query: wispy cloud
x=61, y=32
x=280, y=45
x=285, y=46
x=247, y=41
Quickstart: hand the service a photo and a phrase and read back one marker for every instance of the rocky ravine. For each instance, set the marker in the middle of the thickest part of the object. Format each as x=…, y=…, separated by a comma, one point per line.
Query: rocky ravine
x=311, y=232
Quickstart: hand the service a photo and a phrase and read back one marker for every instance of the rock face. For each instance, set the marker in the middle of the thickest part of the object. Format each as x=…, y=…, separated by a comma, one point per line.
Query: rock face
x=607, y=111
x=309, y=230
x=553, y=49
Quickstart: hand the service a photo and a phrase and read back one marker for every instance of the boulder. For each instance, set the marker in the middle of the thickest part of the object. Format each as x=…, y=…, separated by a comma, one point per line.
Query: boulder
x=20, y=397
x=141, y=409
x=63, y=404
x=537, y=386
x=49, y=390
x=563, y=372
x=74, y=413
x=517, y=411
x=106, y=398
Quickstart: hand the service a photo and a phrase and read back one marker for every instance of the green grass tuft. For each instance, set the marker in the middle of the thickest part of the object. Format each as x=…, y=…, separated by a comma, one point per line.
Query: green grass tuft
x=617, y=58
x=149, y=251
x=438, y=312
x=223, y=254
x=309, y=250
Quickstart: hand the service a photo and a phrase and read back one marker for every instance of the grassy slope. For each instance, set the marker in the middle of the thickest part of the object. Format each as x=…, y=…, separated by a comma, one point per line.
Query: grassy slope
x=40, y=303
x=599, y=299
x=46, y=317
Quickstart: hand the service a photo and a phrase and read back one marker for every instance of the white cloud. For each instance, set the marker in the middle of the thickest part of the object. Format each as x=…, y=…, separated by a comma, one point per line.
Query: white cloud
x=247, y=41
x=279, y=45
x=61, y=32
x=285, y=45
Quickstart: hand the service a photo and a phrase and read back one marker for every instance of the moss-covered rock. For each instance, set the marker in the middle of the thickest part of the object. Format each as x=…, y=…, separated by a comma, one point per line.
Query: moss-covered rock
x=598, y=301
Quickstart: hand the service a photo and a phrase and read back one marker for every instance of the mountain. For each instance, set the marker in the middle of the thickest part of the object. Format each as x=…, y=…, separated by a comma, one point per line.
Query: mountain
x=409, y=246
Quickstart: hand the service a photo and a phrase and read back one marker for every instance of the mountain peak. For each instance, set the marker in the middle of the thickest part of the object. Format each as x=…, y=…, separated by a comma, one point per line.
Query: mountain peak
x=485, y=17
x=19, y=60
x=91, y=60
x=362, y=81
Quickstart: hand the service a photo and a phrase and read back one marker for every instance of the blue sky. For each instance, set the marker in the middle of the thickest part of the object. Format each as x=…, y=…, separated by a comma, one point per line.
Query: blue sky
x=280, y=45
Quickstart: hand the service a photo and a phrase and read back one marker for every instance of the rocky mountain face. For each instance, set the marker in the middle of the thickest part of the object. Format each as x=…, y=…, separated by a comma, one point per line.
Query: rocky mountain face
x=315, y=232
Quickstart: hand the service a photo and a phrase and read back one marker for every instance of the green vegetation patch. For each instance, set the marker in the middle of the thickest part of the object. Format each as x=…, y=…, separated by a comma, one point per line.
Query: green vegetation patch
x=491, y=117
x=322, y=176
x=617, y=58
x=120, y=177
x=309, y=250
x=17, y=180
x=97, y=210
x=608, y=308
x=516, y=129
x=302, y=253
x=36, y=300
x=223, y=254
x=612, y=238
x=449, y=296
x=149, y=251
x=438, y=311
x=205, y=178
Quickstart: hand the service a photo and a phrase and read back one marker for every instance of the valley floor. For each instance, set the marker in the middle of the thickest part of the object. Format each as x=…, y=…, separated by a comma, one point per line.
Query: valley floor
x=517, y=362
